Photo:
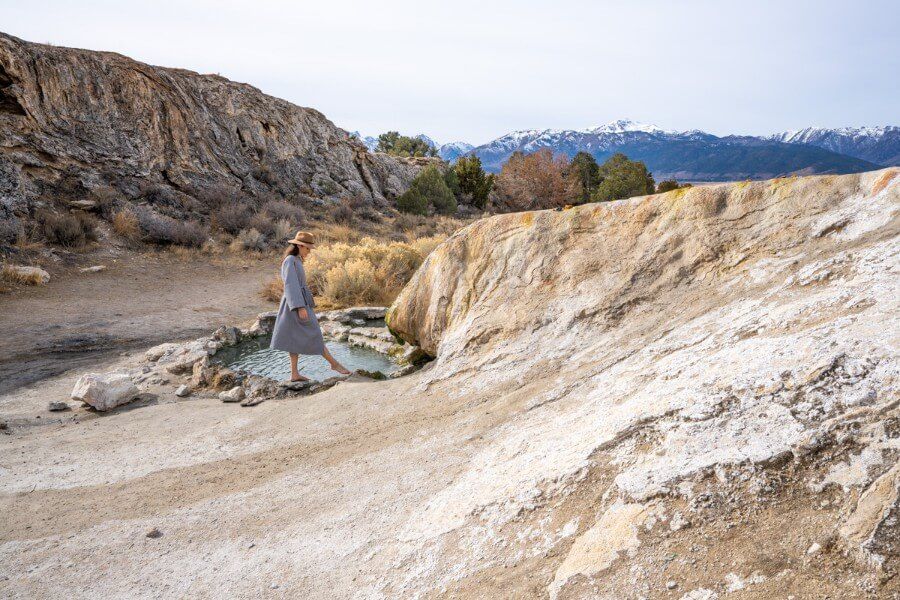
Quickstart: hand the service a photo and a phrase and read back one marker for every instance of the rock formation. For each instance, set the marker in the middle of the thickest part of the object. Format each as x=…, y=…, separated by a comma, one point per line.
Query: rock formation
x=695, y=347
x=72, y=121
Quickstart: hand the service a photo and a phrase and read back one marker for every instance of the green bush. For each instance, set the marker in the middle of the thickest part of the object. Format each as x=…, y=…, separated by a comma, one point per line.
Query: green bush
x=623, y=178
x=401, y=145
x=428, y=190
x=474, y=184
x=584, y=176
x=412, y=201
x=431, y=185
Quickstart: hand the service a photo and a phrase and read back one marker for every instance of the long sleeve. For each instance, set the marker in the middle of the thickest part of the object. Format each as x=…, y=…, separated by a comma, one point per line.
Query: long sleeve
x=292, y=290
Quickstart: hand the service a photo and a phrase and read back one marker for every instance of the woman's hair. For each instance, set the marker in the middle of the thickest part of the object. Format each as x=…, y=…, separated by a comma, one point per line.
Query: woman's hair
x=292, y=250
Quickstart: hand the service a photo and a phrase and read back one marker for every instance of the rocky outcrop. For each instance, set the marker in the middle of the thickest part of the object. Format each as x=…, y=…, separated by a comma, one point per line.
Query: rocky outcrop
x=692, y=347
x=73, y=121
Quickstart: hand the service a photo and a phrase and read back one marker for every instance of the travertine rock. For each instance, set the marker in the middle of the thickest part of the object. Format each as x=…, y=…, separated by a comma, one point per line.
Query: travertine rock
x=105, y=391
x=728, y=325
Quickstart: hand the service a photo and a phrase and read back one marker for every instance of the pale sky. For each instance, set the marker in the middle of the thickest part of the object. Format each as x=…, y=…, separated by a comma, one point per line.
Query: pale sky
x=474, y=70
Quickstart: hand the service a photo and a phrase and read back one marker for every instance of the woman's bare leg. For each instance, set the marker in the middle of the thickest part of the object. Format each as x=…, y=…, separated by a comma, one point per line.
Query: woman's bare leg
x=295, y=374
x=334, y=363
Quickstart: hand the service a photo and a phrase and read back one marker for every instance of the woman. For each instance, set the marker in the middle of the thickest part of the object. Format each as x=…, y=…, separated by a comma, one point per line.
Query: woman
x=296, y=327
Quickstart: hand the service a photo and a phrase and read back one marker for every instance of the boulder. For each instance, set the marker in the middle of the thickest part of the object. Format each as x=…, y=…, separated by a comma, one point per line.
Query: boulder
x=105, y=391
x=183, y=391
x=235, y=394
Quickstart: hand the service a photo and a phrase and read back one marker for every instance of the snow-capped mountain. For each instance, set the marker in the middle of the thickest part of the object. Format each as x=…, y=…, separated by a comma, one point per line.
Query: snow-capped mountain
x=370, y=142
x=880, y=145
x=686, y=155
x=453, y=150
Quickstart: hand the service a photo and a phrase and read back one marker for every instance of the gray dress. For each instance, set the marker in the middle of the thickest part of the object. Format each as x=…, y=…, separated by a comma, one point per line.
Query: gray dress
x=292, y=334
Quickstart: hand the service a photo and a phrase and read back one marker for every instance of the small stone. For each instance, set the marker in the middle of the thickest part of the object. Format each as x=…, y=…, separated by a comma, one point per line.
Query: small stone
x=814, y=549
x=57, y=405
x=94, y=269
x=154, y=533
x=251, y=545
x=671, y=585
x=235, y=394
x=183, y=391
x=274, y=586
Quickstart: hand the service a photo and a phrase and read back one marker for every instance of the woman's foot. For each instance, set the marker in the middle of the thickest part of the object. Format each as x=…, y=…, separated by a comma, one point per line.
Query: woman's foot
x=340, y=369
x=298, y=377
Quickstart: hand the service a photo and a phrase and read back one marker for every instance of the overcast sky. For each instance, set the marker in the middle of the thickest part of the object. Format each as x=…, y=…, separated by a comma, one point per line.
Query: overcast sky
x=474, y=70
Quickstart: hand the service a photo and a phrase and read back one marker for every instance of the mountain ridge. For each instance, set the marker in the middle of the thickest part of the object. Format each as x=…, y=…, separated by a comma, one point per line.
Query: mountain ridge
x=696, y=155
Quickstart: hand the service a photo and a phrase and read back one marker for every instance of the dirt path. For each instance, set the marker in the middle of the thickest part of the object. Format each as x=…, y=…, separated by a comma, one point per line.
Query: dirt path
x=139, y=300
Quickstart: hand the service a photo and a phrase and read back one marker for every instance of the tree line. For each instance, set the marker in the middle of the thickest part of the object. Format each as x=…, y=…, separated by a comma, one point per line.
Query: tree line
x=526, y=181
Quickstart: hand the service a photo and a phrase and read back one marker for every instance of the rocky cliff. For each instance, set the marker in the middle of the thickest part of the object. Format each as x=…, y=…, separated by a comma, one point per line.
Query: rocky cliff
x=75, y=120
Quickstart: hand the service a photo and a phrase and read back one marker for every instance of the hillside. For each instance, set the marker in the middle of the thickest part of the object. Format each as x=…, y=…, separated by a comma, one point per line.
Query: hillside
x=690, y=395
x=686, y=156
x=73, y=121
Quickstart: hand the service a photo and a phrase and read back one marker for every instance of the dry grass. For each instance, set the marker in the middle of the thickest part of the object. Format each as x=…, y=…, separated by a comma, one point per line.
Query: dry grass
x=370, y=272
x=10, y=274
x=273, y=289
x=126, y=225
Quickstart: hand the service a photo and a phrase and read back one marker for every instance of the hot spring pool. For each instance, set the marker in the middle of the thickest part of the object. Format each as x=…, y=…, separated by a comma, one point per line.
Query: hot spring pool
x=254, y=356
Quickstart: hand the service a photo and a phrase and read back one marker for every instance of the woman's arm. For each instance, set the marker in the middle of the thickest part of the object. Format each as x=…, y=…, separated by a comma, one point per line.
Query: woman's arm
x=292, y=291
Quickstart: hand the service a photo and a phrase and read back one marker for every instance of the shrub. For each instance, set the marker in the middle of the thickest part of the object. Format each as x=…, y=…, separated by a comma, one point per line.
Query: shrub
x=281, y=210
x=623, y=178
x=231, y=218
x=107, y=198
x=401, y=145
x=69, y=230
x=670, y=184
x=190, y=233
x=412, y=201
x=272, y=289
x=217, y=195
x=263, y=224
x=163, y=230
x=474, y=184
x=431, y=185
x=343, y=213
x=534, y=181
x=352, y=283
x=249, y=239
x=283, y=231
x=157, y=195
x=335, y=271
x=583, y=176
x=125, y=223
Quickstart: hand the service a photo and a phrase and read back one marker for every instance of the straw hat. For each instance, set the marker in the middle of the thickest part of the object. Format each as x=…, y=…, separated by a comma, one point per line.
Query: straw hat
x=303, y=238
